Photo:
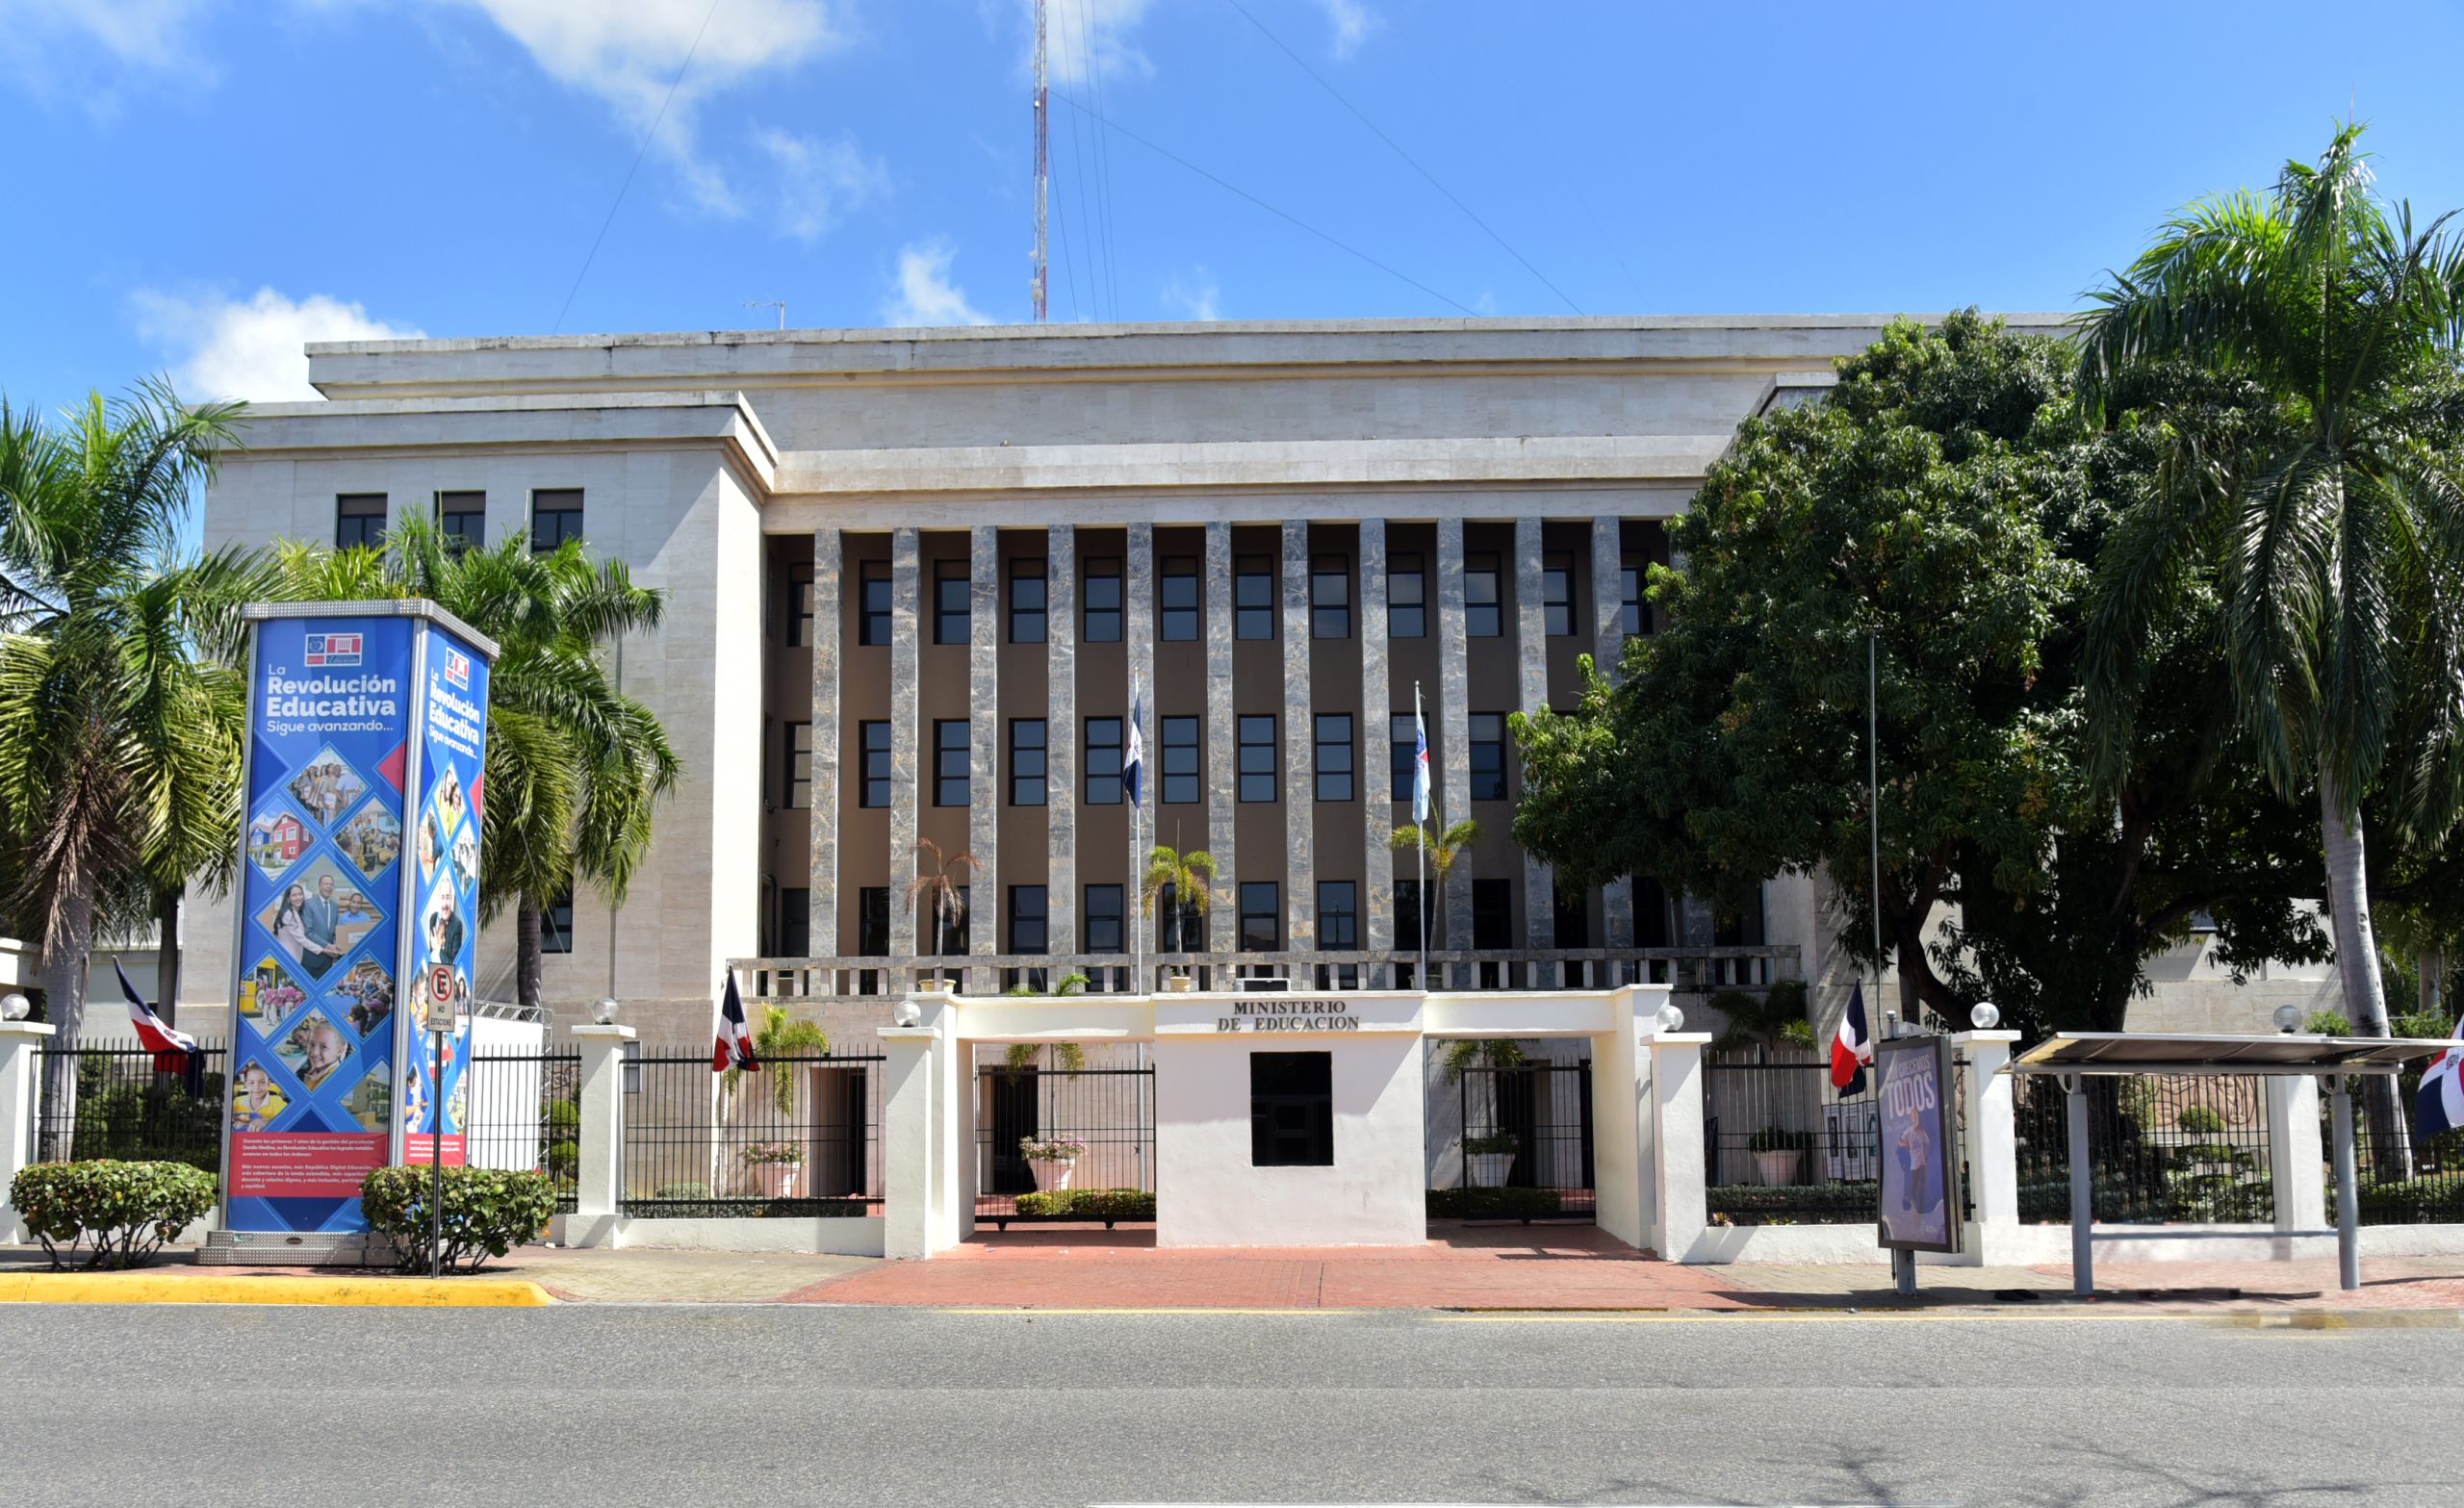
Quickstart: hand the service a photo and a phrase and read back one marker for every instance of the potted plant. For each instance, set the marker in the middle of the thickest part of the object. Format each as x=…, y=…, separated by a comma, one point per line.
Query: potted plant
x=1054, y=1158
x=1490, y=1158
x=774, y=1165
x=1779, y=1155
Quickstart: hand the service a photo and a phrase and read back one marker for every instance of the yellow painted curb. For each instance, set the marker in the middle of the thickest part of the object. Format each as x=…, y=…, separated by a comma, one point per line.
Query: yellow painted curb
x=141, y=1288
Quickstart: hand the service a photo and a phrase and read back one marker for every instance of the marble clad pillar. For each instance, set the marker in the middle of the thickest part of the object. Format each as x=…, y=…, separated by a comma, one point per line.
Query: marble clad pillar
x=1138, y=633
x=1452, y=801
x=988, y=900
x=1531, y=692
x=1222, y=741
x=828, y=564
x=1609, y=647
x=1060, y=735
x=1299, y=747
x=905, y=567
x=1376, y=720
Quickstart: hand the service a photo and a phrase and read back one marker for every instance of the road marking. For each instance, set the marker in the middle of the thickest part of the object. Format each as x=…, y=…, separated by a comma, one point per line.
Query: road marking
x=1031, y=1314
x=1783, y=1316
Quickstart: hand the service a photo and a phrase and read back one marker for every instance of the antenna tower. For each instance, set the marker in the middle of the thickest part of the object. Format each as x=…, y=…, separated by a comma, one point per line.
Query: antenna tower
x=1044, y=167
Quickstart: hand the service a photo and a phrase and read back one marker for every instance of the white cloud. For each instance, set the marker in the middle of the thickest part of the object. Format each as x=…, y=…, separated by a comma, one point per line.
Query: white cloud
x=819, y=181
x=926, y=296
x=626, y=52
x=50, y=46
x=223, y=348
x=1083, y=37
x=1197, y=297
x=1352, y=22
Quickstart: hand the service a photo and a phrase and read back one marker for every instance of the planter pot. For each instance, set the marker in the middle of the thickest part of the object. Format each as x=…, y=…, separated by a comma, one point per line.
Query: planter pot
x=1053, y=1173
x=1778, y=1169
x=775, y=1180
x=1489, y=1169
x=1178, y=983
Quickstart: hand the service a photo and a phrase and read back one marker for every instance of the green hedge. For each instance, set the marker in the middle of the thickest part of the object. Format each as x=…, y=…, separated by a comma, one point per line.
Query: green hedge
x=1818, y=1204
x=488, y=1212
x=1492, y=1204
x=129, y=1208
x=2436, y=1200
x=1107, y=1205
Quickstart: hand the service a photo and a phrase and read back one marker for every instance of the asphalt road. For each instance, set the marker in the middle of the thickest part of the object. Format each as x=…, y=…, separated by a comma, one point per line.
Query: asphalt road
x=613, y=1404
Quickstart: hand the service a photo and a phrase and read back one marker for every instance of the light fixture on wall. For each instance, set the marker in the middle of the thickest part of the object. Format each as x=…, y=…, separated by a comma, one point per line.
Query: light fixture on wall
x=1671, y=1020
x=1985, y=1015
x=603, y=1010
x=2288, y=1019
x=906, y=1012
x=14, y=1006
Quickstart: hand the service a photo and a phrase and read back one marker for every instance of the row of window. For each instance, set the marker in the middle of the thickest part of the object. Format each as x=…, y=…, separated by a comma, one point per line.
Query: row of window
x=1178, y=610
x=462, y=518
x=1256, y=761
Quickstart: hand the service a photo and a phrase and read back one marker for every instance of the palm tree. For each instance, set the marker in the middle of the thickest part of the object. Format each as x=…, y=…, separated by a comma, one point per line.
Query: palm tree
x=778, y=1037
x=1451, y=847
x=2335, y=535
x=121, y=704
x=574, y=766
x=943, y=887
x=1190, y=875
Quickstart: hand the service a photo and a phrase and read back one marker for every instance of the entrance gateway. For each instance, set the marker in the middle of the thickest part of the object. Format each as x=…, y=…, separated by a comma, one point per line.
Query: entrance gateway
x=1279, y=1119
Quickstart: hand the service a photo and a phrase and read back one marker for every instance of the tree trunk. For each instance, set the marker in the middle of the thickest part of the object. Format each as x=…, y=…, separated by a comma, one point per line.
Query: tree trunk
x=530, y=964
x=166, y=954
x=2391, y=1152
x=63, y=968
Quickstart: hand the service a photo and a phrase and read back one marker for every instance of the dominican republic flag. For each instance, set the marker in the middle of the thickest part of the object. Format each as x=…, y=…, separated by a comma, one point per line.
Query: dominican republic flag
x=2441, y=1107
x=1133, y=763
x=735, y=1046
x=1853, y=1048
x=1419, y=760
x=173, y=1051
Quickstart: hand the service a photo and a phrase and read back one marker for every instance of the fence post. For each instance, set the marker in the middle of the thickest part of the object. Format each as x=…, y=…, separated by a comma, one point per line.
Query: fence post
x=599, y=1173
x=21, y=1089
x=1991, y=1148
x=2296, y=1161
x=1677, y=1100
x=920, y=1120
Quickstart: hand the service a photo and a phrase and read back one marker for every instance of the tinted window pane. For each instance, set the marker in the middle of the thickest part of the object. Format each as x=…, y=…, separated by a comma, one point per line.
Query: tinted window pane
x=1261, y=916
x=1337, y=914
x=1253, y=601
x=1406, y=598
x=952, y=602
x=950, y=763
x=1481, y=617
x=1334, y=757
x=1257, y=759
x=1488, y=756
x=1026, y=761
x=1291, y=1110
x=1177, y=601
x=1103, y=760
x=1103, y=601
x=1026, y=602
x=1180, y=759
x=874, y=745
x=873, y=622
x=1104, y=925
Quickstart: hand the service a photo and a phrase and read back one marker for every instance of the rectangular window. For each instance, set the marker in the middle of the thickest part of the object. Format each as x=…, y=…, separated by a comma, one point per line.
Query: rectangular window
x=1253, y=598
x=947, y=932
x=1103, y=760
x=1334, y=757
x=1103, y=601
x=872, y=922
x=1572, y=912
x=1406, y=598
x=1178, y=927
x=1257, y=759
x=1557, y=595
x=1491, y=914
x=950, y=762
x=359, y=520
x=555, y=516
x=1026, y=602
x=795, y=924
x=1488, y=756
x=1337, y=914
x=1481, y=615
x=1027, y=919
x=872, y=748
x=1630, y=581
x=1104, y=930
x=1402, y=753
x=795, y=629
x=953, y=602
x=1177, y=601
x=795, y=767
x=1330, y=598
x=462, y=518
x=1026, y=761
x=556, y=925
x=873, y=623
x=1407, y=913
x=1261, y=916
x=1180, y=759
x=1291, y=1110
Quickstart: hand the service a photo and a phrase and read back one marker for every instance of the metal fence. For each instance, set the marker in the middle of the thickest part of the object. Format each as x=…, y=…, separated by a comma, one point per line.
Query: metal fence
x=2425, y=1188
x=800, y=1138
x=1781, y=1146
x=1110, y=1111
x=2161, y=1148
x=526, y=1112
x=1539, y=1114
x=111, y=1102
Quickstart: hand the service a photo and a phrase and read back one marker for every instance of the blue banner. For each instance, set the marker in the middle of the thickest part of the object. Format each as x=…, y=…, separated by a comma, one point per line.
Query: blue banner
x=446, y=884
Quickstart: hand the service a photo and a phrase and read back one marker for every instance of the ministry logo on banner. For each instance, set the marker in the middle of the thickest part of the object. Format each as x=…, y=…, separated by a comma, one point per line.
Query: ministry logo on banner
x=457, y=668
x=325, y=650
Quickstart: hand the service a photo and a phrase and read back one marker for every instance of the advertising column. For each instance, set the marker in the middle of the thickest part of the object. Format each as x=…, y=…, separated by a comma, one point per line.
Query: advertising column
x=350, y=748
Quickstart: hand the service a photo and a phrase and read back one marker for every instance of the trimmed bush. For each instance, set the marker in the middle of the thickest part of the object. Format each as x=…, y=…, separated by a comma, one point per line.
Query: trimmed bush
x=2201, y=1120
x=129, y=1208
x=1107, y=1205
x=1821, y=1204
x=488, y=1212
x=2436, y=1200
x=1492, y=1204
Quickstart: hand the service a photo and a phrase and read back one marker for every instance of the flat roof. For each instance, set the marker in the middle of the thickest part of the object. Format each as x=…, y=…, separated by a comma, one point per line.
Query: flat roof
x=2280, y=1054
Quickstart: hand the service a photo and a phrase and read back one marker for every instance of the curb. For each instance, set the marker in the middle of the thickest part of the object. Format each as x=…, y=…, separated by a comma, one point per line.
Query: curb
x=79, y=1288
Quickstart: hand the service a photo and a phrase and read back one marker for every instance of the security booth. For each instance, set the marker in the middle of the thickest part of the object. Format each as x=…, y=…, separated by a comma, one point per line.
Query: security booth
x=2289, y=1062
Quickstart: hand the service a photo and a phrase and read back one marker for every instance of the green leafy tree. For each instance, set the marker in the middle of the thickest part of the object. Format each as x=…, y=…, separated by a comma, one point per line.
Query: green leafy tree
x=575, y=767
x=1767, y=1022
x=121, y=701
x=1449, y=849
x=1189, y=875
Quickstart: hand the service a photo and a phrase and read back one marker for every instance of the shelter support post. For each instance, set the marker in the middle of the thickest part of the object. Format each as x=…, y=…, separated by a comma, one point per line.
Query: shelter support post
x=2347, y=1191
x=20, y=1054
x=599, y=1171
x=2083, y=1212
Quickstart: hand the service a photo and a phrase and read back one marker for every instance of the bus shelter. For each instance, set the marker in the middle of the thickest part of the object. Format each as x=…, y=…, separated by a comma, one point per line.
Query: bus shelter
x=2075, y=1056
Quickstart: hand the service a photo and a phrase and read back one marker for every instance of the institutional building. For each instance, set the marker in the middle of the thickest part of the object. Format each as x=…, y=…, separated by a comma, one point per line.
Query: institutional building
x=919, y=579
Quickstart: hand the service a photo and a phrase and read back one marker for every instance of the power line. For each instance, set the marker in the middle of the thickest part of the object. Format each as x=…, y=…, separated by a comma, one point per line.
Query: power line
x=1103, y=157
x=647, y=138
x=1090, y=228
x=1407, y=157
x=1282, y=214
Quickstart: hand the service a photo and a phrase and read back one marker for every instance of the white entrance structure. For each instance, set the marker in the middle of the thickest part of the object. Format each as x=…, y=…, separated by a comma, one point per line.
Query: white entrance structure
x=1218, y=1182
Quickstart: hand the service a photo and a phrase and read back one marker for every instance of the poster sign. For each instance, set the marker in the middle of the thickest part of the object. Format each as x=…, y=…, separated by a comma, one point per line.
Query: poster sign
x=445, y=882
x=1920, y=1155
x=346, y=746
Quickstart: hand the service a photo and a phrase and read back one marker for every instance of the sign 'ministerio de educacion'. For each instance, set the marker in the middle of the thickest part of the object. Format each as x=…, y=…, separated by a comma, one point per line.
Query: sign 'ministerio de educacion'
x=360, y=874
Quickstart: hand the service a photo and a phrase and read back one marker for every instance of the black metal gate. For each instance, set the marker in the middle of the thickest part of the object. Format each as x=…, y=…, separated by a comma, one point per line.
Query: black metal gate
x=1543, y=1110
x=1108, y=1112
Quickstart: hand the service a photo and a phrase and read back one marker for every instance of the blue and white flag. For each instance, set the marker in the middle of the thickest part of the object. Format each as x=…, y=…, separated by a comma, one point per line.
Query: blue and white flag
x=1133, y=764
x=2441, y=1106
x=1419, y=760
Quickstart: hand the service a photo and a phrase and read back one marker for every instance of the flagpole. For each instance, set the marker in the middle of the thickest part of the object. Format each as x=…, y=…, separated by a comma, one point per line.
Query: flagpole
x=1137, y=871
x=1420, y=825
x=1874, y=797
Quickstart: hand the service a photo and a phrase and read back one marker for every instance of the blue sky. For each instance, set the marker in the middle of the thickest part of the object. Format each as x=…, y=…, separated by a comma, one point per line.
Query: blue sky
x=202, y=183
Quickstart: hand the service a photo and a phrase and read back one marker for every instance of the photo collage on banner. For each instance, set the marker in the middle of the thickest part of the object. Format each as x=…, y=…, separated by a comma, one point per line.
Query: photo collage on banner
x=445, y=877
x=313, y=1050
